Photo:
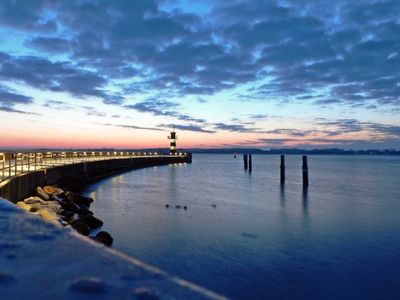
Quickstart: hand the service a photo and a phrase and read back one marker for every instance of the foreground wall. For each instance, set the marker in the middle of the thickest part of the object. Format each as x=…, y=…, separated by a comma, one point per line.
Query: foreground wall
x=41, y=261
x=78, y=175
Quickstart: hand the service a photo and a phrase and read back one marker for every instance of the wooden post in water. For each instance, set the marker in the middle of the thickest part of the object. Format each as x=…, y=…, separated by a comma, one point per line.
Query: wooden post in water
x=250, y=164
x=305, y=171
x=245, y=161
x=282, y=168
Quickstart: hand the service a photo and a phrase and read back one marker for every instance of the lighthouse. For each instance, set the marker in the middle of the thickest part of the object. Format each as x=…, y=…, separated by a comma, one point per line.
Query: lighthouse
x=172, y=145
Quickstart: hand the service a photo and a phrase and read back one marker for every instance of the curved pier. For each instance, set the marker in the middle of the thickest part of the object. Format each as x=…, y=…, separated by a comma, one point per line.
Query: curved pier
x=22, y=172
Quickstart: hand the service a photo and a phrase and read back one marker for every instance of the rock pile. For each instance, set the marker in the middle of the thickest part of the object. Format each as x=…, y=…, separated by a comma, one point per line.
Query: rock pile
x=67, y=209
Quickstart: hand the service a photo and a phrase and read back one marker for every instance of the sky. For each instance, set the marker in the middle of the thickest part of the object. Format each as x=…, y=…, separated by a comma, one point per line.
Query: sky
x=244, y=73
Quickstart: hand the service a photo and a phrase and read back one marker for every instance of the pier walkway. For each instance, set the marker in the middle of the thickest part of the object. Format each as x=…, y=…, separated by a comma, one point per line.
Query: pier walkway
x=13, y=163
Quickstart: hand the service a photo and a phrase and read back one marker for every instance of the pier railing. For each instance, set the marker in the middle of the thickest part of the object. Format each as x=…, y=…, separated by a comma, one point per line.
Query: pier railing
x=15, y=163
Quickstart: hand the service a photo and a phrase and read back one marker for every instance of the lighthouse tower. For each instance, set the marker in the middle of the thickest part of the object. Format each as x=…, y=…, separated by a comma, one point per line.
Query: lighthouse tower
x=172, y=145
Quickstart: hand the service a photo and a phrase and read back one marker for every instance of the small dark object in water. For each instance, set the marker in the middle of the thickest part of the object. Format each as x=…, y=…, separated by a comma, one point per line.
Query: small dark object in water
x=177, y=206
x=144, y=293
x=214, y=205
x=167, y=205
x=88, y=285
x=91, y=221
x=185, y=207
x=105, y=238
x=81, y=227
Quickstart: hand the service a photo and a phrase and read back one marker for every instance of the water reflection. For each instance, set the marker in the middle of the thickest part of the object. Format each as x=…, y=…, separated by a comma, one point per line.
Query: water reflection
x=282, y=194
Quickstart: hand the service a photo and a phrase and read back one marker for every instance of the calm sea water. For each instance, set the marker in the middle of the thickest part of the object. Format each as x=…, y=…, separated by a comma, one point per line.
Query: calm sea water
x=340, y=239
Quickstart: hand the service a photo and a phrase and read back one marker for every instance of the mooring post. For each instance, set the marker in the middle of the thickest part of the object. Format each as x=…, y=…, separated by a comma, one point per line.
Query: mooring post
x=305, y=171
x=250, y=164
x=245, y=161
x=282, y=168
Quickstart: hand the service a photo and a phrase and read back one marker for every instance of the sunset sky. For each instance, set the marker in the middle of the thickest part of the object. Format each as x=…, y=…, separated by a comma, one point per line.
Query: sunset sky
x=245, y=73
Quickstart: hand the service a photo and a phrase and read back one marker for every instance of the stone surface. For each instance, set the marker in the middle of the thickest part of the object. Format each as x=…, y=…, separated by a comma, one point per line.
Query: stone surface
x=39, y=260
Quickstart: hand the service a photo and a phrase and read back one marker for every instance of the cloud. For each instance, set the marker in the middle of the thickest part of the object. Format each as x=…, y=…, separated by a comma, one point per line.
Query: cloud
x=91, y=111
x=50, y=44
x=9, y=98
x=349, y=49
x=236, y=127
x=54, y=76
x=130, y=126
x=190, y=127
x=160, y=107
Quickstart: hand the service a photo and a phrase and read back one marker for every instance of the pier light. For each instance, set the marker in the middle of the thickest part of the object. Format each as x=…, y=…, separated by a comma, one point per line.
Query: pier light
x=74, y=154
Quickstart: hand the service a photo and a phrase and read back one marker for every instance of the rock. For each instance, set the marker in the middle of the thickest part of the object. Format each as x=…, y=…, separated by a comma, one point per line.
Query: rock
x=91, y=285
x=84, y=212
x=48, y=215
x=70, y=206
x=81, y=227
x=52, y=190
x=33, y=200
x=24, y=206
x=105, y=238
x=91, y=221
x=54, y=206
x=79, y=199
x=35, y=207
x=67, y=214
x=42, y=194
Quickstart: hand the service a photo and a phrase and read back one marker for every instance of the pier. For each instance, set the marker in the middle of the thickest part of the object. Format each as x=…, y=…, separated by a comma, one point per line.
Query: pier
x=21, y=172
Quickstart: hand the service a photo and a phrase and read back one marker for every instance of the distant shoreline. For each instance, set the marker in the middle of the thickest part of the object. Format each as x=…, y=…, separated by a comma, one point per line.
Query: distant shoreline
x=277, y=151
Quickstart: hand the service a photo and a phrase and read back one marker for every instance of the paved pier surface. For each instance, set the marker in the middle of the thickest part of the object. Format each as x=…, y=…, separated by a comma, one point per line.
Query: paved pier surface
x=41, y=261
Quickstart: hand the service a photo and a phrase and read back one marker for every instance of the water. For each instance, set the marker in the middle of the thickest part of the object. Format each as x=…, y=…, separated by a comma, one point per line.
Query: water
x=339, y=240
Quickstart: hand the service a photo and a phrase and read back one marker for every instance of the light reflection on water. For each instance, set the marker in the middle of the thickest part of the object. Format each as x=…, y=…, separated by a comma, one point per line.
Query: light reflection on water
x=338, y=239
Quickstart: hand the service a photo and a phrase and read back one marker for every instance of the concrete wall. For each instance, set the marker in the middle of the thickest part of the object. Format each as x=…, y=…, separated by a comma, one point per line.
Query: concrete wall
x=75, y=176
x=41, y=261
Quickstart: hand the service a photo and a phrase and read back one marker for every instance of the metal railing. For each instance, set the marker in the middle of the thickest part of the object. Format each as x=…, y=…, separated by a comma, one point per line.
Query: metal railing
x=15, y=163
